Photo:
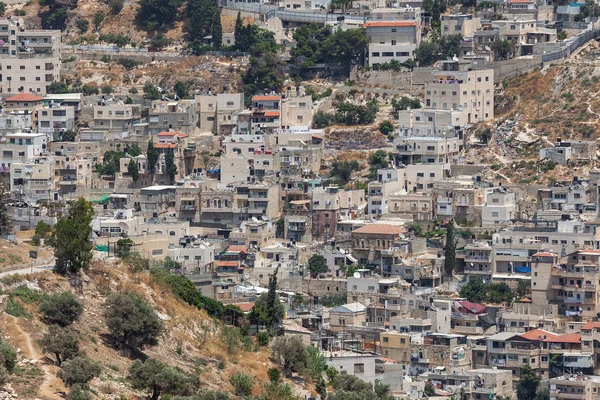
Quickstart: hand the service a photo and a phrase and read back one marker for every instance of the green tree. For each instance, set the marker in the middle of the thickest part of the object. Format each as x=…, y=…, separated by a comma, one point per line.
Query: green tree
x=503, y=49
x=429, y=390
x=5, y=220
x=291, y=353
x=151, y=92
x=159, y=42
x=68, y=136
x=156, y=14
x=267, y=308
x=475, y=290
x=542, y=394
x=239, y=24
x=98, y=19
x=386, y=127
x=317, y=265
x=426, y=53
x=528, y=384
x=2, y=8
x=484, y=135
x=111, y=163
x=217, y=30
x=315, y=363
x=377, y=160
x=62, y=308
x=199, y=20
x=79, y=392
x=499, y=293
x=58, y=87
x=181, y=89
x=8, y=356
x=523, y=288
x=131, y=321
x=133, y=171
x=62, y=342
x=207, y=160
x=170, y=165
x=280, y=227
x=83, y=25
x=450, y=45
x=243, y=384
x=561, y=36
x=153, y=156
x=43, y=229
x=450, y=249
x=79, y=371
x=134, y=150
x=124, y=247
x=322, y=119
x=71, y=238
x=342, y=170
x=161, y=379
x=116, y=6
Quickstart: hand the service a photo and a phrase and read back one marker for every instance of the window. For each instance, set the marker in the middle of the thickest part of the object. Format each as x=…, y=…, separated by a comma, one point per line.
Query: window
x=157, y=252
x=359, y=368
x=393, y=30
x=375, y=54
x=386, y=339
x=393, y=42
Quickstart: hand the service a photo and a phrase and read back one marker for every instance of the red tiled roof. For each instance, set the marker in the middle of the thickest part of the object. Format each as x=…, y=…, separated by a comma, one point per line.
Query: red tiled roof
x=538, y=334
x=165, y=145
x=387, y=360
x=380, y=229
x=227, y=264
x=525, y=300
x=389, y=23
x=24, y=97
x=472, y=307
x=590, y=325
x=238, y=247
x=245, y=307
x=266, y=98
x=569, y=338
x=544, y=254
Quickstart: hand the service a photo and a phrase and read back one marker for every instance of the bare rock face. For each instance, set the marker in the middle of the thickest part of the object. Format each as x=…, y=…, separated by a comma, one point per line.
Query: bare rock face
x=355, y=139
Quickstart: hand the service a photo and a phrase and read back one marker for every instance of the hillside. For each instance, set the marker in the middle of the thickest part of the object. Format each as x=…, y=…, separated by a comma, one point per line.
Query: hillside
x=192, y=340
x=534, y=110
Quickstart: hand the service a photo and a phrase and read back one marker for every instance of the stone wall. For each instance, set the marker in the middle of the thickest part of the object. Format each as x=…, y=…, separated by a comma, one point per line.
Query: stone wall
x=405, y=80
x=465, y=170
x=327, y=286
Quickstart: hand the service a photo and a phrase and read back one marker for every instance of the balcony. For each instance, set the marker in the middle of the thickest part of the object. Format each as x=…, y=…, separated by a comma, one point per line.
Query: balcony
x=188, y=207
x=499, y=362
x=568, y=395
x=419, y=360
x=297, y=228
x=67, y=182
x=473, y=257
x=470, y=271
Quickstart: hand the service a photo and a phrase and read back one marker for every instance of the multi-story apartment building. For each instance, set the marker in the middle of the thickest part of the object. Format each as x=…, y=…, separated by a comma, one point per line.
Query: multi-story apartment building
x=296, y=112
x=219, y=113
x=372, y=241
x=499, y=207
x=392, y=40
x=257, y=200
x=29, y=58
x=34, y=180
x=478, y=261
x=266, y=114
x=460, y=24
x=417, y=145
x=330, y=205
x=55, y=119
x=12, y=121
x=196, y=257
x=421, y=177
x=573, y=285
x=575, y=387
x=176, y=115
x=456, y=87
x=116, y=117
x=574, y=196
x=388, y=182
x=419, y=206
x=22, y=147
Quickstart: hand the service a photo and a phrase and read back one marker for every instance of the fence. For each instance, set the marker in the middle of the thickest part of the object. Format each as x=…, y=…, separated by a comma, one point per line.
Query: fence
x=571, y=44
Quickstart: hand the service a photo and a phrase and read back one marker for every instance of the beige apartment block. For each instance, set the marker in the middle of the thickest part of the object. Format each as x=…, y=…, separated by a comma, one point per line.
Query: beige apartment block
x=219, y=113
x=116, y=117
x=460, y=24
x=456, y=87
x=392, y=40
x=296, y=112
x=419, y=206
x=33, y=179
x=29, y=58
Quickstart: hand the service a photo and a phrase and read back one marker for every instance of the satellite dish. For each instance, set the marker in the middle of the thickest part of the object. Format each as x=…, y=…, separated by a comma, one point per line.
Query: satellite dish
x=357, y=274
x=246, y=276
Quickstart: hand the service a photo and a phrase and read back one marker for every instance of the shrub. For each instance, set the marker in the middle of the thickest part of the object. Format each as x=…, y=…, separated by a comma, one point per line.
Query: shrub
x=242, y=383
x=79, y=371
x=83, y=25
x=131, y=321
x=8, y=356
x=274, y=375
x=62, y=342
x=262, y=338
x=128, y=63
x=61, y=308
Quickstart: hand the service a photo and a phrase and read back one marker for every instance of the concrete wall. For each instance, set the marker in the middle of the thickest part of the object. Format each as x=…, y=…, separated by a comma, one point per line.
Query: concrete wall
x=329, y=286
x=405, y=80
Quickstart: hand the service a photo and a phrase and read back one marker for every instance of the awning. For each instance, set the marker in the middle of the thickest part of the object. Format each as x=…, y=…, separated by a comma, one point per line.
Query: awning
x=101, y=200
x=188, y=199
x=352, y=259
x=299, y=202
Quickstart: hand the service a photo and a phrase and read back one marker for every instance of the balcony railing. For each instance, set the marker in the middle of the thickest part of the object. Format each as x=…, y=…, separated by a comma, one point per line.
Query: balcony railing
x=188, y=207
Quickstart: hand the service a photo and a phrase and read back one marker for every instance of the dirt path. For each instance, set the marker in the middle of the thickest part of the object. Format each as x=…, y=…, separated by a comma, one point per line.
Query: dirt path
x=45, y=390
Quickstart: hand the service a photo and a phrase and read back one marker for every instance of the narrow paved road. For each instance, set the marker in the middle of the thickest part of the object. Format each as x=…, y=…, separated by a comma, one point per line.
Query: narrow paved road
x=25, y=271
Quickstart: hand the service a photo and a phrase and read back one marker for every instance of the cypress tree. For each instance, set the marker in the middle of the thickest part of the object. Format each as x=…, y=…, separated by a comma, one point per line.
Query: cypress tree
x=239, y=25
x=450, y=249
x=217, y=30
